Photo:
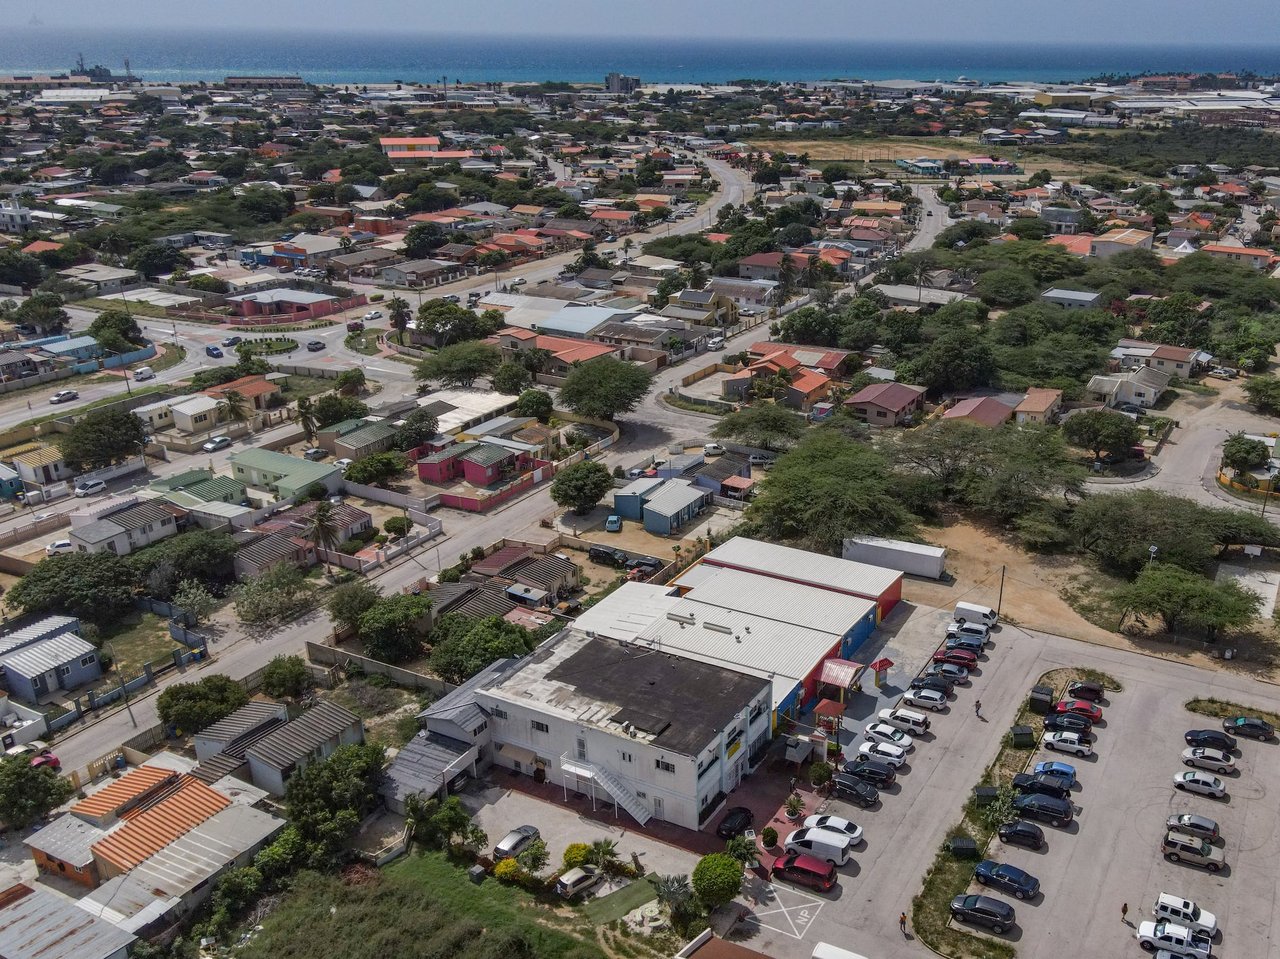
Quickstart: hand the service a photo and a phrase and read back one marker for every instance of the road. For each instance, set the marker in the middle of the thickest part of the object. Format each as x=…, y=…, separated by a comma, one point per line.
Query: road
x=930, y=226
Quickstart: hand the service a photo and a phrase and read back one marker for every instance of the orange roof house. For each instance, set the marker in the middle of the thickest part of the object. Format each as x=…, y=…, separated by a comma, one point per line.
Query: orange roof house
x=107, y=805
x=984, y=410
x=183, y=807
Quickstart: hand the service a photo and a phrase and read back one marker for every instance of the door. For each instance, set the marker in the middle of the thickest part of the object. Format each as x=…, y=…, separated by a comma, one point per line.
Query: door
x=582, y=748
x=657, y=809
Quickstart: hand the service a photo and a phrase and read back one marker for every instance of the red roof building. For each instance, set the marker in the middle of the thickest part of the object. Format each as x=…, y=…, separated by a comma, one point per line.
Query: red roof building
x=983, y=410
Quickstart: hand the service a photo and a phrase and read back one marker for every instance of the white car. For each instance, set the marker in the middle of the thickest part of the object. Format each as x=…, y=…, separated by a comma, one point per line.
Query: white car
x=59, y=546
x=884, y=733
x=64, y=396
x=373, y=315
x=925, y=699
x=835, y=824
x=1184, y=912
x=1214, y=760
x=343, y=463
x=1202, y=783
x=713, y=449
x=1065, y=742
x=1169, y=936
x=91, y=488
x=895, y=756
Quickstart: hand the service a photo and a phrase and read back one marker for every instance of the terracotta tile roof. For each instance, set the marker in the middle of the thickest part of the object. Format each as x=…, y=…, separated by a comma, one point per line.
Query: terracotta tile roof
x=983, y=410
x=125, y=790
x=807, y=381
x=1078, y=245
x=1236, y=250
x=1038, y=400
x=149, y=831
x=890, y=396
x=246, y=386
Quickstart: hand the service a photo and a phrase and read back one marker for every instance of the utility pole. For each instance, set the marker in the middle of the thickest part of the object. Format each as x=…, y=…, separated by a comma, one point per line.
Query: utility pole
x=123, y=692
x=1000, y=597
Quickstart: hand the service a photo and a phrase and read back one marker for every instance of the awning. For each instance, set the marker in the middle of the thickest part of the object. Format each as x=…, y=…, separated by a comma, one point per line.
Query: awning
x=880, y=665
x=518, y=753
x=829, y=709
x=738, y=482
x=840, y=672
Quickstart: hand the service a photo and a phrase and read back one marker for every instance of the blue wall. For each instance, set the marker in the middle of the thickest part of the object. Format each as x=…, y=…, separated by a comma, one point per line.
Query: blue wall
x=628, y=506
x=858, y=634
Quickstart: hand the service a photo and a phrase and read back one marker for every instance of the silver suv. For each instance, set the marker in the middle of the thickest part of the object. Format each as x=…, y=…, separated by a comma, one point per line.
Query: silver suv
x=1180, y=847
x=515, y=842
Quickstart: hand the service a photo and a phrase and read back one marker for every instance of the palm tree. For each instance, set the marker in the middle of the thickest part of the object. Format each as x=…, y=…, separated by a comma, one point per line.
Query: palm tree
x=235, y=408
x=742, y=849
x=603, y=854
x=922, y=266
x=323, y=529
x=399, y=313
x=307, y=419
x=627, y=244
x=345, y=243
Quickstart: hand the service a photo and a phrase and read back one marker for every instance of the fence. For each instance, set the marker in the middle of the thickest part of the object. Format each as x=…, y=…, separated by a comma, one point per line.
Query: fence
x=26, y=382
x=712, y=405
x=116, y=361
x=128, y=467
x=389, y=497
x=331, y=656
x=699, y=375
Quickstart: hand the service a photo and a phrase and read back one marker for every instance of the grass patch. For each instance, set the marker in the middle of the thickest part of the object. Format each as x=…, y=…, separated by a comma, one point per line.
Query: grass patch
x=617, y=904
x=421, y=905
x=136, y=307
x=691, y=406
x=1221, y=709
x=1095, y=596
x=299, y=385
x=365, y=342
x=947, y=877
x=167, y=355
x=272, y=346
x=138, y=638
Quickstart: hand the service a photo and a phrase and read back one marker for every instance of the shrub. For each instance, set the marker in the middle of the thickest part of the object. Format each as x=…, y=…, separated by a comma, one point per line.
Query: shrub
x=819, y=774
x=575, y=854
x=717, y=879
x=398, y=525
x=769, y=836
x=509, y=871
x=286, y=676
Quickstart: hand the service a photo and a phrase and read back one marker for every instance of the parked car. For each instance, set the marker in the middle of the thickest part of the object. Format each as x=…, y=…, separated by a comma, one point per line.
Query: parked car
x=515, y=842
x=835, y=824
x=1080, y=707
x=1052, y=767
x=233, y=341
x=715, y=343
x=1056, y=812
x=1180, y=847
x=713, y=449
x=1250, y=727
x=893, y=756
x=1065, y=742
x=735, y=822
x=1019, y=832
x=1185, y=912
x=213, y=351
x=935, y=683
x=834, y=847
x=1020, y=883
x=925, y=699
x=649, y=564
x=1173, y=939
x=343, y=463
x=880, y=775
x=64, y=396
x=1085, y=690
x=1043, y=784
x=804, y=870
x=959, y=641
x=971, y=628
x=90, y=488
x=1215, y=760
x=1069, y=723
x=1193, y=825
x=1223, y=373
x=314, y=453
x=607, y=555
x=855, y=790
x=957, y=657
x=1211, y=738
x=315, y=346
x=995, y=914
x=948, y=671
x=216, y=443
x=577, y=881
x=613, y=524
x=46, y=760
x=884, y=733
x=58, y=546
x=1199, y=782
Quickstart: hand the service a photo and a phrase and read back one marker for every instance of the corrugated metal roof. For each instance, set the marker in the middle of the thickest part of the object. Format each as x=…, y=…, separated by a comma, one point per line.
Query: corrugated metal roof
x=47, y=654
x=423, y=763
x=459, y=705
x=67, y=838
x=245, y=719
x=36, y=924
x=782, y=601
x=152, y=829
x=122, y=793
x=798, y=565
x=218, y=766
x=628, y=611
x=674, y=496
x=322, y=722
x=49, y=626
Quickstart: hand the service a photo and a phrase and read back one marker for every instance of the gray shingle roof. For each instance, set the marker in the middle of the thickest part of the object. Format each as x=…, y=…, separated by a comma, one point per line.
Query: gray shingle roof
x=295, y=740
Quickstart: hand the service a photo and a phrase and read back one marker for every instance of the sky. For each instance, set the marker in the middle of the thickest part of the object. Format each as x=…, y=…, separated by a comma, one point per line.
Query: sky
x=1101, y=22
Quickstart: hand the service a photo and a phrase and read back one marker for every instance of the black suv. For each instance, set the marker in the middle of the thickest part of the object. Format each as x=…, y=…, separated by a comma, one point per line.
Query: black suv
x=855, y=790
x=1056, y=812
x=995, y=914
x=607, y=555
x=937, y=683
x=1211, y=738
x=1019, y=832
x=873, y=771
x=650, y=564
x=1042, y=784
x=1070, y=723
x=1091, y=691
x=735, y=822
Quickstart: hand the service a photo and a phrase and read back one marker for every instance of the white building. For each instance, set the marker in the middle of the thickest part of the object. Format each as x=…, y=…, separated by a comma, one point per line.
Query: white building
x=14, y=217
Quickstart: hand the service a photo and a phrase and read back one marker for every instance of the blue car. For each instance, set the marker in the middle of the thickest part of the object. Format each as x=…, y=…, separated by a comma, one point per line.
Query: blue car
x=213, y=351
x=1055, y=768
x=1011, y=879
x=613, y=524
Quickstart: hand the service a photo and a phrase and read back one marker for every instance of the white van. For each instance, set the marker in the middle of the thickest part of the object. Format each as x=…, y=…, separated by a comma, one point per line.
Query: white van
x=825, y=950
x=144, y=373
x=970, y=612
x=834, y=847
x=908, y=720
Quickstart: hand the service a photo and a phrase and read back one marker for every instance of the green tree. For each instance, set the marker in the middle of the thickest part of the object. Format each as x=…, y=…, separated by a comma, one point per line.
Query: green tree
x=418, y=427
x=535, y=403
x=446, y=823
x=152, y=260
x=1099, y=430
x=764, y=425
x=511, y=378
x=605, y=387
x=581, y=486
x=390, y=629
x=828, y=487
x=234, y=407
x=398, y=526
x=193, y=706
x=377, y=469
x=19, y=269
x=327, y=799
x=717, y=879
x=1264, y=393
x=334, y=408
x=306, y=417
x=28, y=793
x=920, y=267
x=445, y=322
x=102, y=437
x=742, y=850
x=204, y=556
x=399, y=314
x=279, y=592
x=1009, y=286
x=460, y=364
x=192, y=597
x=957, y=360
x=422, y=238
x=349, y=601
x=1180, y=597
x=95, y=587
x=1240, y=454
x=286, y=676
x=323, y=529
x=466, y=650
x=351, y=382
x=116, y=331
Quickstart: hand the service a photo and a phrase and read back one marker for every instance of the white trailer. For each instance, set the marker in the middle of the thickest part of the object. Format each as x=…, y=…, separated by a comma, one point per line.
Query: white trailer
x=915, y=559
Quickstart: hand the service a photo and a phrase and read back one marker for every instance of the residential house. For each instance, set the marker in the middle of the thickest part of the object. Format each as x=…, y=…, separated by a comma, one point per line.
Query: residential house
x=348, y=521
x=99, y=278
x=1120, y=241
x=867, y=242
x=366, y=263
x=15, y=219
x=1174, y=360
x=259, y=391
x=258, y=551
x=408, y=148
x=353, y=439
x=480, y=463
x=41, y=467
x=887, y=404
x=253, y=719
x=46, y=656
x=311, y=737
x=1072, y=299
x=36, y=923
x=279, y=302
x=281, y=475
x=565, y=353
x=982, y=410
x=123, y=525
x=425, y=272
x=196, y=414
x=1141, y=386
x=703, y=307
x=1066, y=221
x=1040, y=405
x=828, y=360
x=152, y=825
x=665, y=506
x=768, y=266
x=754, y=294
x=1252, y=257
x=727, y=475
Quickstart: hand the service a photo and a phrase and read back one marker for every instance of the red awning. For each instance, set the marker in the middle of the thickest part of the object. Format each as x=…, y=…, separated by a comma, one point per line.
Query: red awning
x=880, y=665
x=829, y=709
x=840, y=672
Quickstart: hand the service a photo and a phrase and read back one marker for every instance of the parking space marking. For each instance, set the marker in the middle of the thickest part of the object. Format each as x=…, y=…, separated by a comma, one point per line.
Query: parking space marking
x=790, y=912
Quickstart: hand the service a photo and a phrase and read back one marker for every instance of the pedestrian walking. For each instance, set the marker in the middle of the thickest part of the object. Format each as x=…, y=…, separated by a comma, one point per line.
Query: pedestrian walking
x=793, y=784
x=1124, y=912
x=902, y=924
x=977, y=708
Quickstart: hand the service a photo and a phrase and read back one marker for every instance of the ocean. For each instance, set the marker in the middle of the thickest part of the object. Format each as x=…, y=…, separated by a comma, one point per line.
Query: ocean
x=354, y=58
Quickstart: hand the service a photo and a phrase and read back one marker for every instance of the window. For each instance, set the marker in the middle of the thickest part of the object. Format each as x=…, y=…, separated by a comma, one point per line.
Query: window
x=479, y=729
x=881, y=414
x=539, y=727
x=64, y=670
x=499, y=712
x=626, y=757
x=665, y=766
x=88, y=660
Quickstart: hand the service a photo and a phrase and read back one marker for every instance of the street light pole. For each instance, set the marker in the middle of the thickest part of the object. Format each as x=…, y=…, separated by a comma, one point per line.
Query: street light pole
x=123, y=691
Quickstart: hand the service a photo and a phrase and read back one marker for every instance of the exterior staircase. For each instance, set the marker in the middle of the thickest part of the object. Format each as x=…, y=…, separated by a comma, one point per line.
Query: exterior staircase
x=622, y=794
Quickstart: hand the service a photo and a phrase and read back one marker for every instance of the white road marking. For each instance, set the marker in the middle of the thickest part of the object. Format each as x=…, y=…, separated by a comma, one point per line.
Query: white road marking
x=790, y=912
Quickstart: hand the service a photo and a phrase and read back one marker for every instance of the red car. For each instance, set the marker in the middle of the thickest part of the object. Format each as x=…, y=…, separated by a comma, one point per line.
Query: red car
x=804, y=870
x=48, y=759
x=956, y=657
x=1081, y=708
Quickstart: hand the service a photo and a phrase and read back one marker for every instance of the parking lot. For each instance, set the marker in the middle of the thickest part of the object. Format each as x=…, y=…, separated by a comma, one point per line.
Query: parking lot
x=1108, y=857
